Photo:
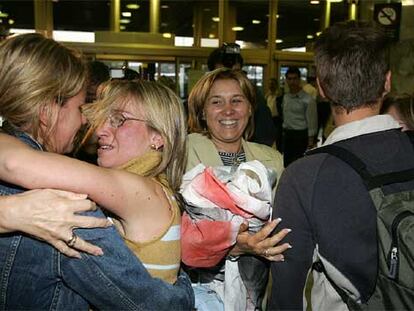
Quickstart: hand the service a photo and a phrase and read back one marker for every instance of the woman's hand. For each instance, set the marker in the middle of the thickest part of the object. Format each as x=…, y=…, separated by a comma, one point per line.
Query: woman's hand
x=51, y=216
x=260, y=243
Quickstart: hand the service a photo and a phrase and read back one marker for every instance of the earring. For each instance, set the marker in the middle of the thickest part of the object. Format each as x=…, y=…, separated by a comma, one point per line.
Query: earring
x=154, y=147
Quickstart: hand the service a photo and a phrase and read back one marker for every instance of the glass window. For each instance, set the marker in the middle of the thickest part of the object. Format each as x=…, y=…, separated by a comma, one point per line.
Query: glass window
x=255, y=75
x=81, y=15
x=208, y=22
x=297, y=23
x=135, y=15
x=249, y=22
x=17, y=14
x=176, y=17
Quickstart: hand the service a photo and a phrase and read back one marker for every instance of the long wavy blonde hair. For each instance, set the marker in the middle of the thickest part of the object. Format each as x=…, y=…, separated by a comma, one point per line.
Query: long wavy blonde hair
x=37, y=73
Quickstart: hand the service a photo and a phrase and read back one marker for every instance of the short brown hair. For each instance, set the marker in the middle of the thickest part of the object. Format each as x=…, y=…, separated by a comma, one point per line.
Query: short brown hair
x=201, y=90
x=352, y=61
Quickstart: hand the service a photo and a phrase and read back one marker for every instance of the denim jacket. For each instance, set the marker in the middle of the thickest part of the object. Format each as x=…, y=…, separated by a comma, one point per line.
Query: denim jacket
x=34, y=275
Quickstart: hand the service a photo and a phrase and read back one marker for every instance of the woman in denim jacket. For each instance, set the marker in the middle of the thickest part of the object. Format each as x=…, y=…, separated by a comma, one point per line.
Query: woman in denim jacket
x=41, y=90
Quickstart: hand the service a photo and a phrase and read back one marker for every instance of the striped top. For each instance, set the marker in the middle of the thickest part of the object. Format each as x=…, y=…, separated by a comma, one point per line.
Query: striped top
x=162, y=254
x=232, y=158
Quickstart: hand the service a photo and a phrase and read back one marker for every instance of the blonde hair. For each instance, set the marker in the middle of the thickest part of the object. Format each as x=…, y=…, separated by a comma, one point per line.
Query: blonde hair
x=199, y=94
x=36, y=73
x=164, y=113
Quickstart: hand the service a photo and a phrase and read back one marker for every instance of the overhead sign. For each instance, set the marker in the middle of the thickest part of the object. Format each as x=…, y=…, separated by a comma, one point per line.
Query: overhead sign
x=388, y=15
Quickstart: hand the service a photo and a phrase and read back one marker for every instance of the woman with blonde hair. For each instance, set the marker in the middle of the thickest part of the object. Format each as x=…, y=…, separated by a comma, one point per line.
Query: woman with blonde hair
x=141, y=133
x=141, y=145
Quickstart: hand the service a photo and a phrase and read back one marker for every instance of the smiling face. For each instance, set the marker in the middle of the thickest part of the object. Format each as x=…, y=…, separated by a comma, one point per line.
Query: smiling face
x=227, y=113
x=133, y=138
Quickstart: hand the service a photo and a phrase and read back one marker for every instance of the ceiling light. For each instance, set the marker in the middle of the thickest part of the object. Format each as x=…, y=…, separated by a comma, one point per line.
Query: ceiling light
x=318, y=33
x=316, y=19
x=122, y=27
x=132, y=6
x=167, y=35
x=279, y=41
x=310, y=37
x=165, y=6
x=126, y=14
x=335, y=0
x=407, y=2
x=11, y=21
x=277, y=15
x=237, y=28
x=3, y=14
x=256, y=21
x=314, y=2
x=215, y=19
x=124, y=21
x=211, y=35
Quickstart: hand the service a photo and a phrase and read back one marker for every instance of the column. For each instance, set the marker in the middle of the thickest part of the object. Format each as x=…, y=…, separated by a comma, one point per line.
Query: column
x=43, y=17
x=115, y=15
x=271, y=38
x=154, y=26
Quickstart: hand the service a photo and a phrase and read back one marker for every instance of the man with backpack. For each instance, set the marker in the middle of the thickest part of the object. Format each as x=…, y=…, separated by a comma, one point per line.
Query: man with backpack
x=350, y=203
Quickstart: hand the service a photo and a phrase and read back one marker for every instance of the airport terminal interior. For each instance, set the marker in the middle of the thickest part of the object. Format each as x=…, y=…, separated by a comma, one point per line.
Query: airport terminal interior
x=249, y=125
x=173, y=38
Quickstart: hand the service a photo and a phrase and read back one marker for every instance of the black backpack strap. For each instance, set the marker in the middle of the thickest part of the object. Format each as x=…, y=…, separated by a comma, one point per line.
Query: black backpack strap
x=347, y=156
x=371, y=182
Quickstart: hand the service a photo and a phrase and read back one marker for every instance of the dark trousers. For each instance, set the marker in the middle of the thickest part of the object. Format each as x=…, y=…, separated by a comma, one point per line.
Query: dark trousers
x=295, y=143
x=279, y=133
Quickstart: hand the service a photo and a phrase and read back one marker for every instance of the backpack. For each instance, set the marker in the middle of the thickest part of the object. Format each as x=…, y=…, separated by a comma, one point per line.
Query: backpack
x=395, y=234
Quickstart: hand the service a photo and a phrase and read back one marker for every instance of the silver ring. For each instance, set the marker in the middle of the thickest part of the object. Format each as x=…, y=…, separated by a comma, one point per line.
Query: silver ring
x=72, y=240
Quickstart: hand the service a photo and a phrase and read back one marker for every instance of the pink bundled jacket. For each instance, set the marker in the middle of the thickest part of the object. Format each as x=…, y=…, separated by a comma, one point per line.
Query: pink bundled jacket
x=218, y=202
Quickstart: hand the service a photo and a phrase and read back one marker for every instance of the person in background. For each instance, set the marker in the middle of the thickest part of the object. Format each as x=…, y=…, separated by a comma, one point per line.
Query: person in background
x=130, y=74
x=229, y=56
x=40, y=101
x=98, y=73
x=300, y=119
x=273, y=99
x=310, y=87
x=401, y=108
x=221, y=113
x=323, y=200
x=322, y=104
